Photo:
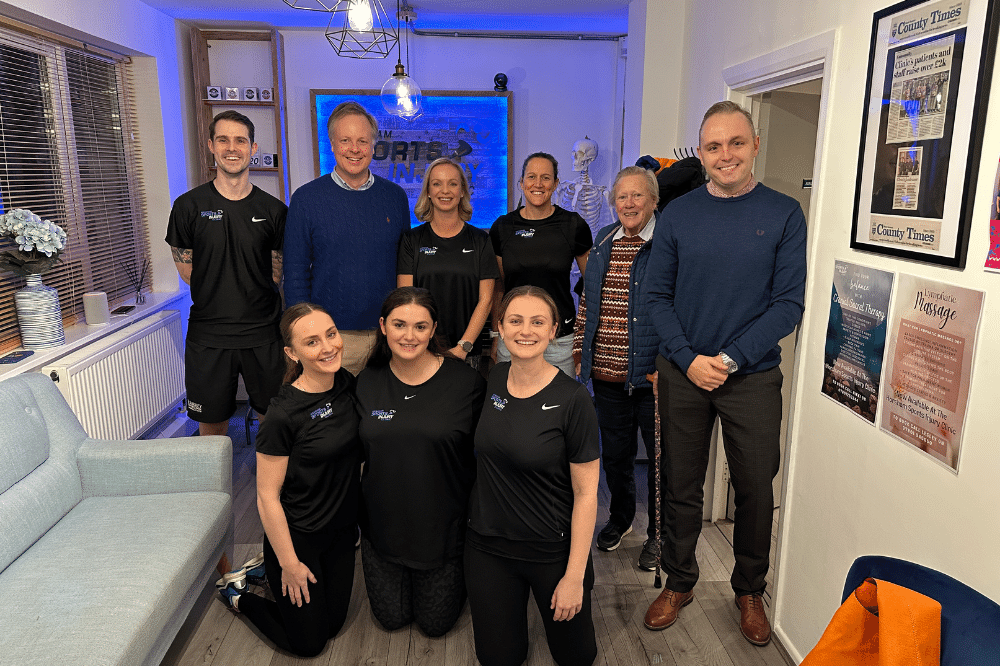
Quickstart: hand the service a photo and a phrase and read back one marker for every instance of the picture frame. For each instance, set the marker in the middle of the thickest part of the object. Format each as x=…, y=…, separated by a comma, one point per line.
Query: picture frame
x=472, y=127
x=930, y=65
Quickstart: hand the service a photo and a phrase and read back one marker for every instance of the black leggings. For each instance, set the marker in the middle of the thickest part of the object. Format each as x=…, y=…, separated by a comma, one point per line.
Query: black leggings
x=304, y=631
x=400, y=595
x=498, y=594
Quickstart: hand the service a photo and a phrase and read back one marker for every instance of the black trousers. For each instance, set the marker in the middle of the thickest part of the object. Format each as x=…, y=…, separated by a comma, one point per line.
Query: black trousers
x=498, y=595
x=433, y=598
x=620, y=415
x=749, y=408
x=304, y=631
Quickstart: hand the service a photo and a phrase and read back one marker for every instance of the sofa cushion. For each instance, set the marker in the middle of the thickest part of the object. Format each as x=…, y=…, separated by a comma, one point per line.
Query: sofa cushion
x=39, y=481
x=100, y=586
x=24, y=440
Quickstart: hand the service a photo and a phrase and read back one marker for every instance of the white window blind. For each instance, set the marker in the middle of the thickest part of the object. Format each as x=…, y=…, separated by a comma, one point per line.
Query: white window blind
x=69, y=152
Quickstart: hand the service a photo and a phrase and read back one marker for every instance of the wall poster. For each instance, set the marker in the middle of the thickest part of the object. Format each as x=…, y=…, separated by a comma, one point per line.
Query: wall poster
x=855, y=337
x=473, y=128
x=929, y=73
x=993, y=255
x=932, y=341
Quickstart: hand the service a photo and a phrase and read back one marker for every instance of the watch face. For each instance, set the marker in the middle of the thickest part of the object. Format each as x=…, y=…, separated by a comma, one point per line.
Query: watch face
x=466, y=346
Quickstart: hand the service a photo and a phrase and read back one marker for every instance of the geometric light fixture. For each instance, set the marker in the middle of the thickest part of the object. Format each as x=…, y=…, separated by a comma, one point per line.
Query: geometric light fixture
x=359, y=28
x=401, y=96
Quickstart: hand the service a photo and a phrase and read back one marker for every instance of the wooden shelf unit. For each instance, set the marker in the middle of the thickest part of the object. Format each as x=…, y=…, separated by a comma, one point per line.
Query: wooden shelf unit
x=206, y=108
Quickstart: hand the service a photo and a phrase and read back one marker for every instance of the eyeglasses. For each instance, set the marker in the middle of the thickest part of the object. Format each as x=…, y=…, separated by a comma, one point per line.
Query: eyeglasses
x=637, y=197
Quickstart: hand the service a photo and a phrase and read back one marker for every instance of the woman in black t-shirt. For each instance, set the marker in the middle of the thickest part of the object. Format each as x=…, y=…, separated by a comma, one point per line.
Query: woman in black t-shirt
x=308, y=467
x=534, y=504
x=450, y=258
x=536, y=245
x=419, y=408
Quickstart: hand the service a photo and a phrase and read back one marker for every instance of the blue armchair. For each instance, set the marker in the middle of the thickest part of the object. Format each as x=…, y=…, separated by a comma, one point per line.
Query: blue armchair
x=970, y=622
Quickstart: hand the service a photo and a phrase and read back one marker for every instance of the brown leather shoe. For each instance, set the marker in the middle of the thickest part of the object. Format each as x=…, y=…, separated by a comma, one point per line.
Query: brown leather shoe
x=753, y=620
x=663, y=612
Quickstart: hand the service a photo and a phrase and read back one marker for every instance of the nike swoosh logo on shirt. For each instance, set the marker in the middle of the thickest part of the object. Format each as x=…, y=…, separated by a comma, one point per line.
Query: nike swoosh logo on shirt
x=568, y=320
x=407, y=397
x=257, y=219
x=548, y=407
x=464, y=251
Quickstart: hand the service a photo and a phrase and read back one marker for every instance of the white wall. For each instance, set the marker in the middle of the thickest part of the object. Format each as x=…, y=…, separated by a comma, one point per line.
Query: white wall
x=853, y=490
x=562, y=89
x=131, y=27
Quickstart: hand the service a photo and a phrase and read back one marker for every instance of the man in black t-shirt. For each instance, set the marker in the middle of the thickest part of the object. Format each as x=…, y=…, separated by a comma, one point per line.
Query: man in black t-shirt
x=226, y=238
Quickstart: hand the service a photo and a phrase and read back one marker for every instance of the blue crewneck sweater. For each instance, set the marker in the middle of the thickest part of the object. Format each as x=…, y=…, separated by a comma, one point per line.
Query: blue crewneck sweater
x=340, y=248
x=727, y=275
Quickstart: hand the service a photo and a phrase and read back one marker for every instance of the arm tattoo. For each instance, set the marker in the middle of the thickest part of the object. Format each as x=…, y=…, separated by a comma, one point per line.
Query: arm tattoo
x=181, y=256
x=277, y=261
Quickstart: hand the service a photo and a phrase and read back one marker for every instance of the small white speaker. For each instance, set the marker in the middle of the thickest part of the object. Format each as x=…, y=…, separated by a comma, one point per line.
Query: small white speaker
x=95, y=308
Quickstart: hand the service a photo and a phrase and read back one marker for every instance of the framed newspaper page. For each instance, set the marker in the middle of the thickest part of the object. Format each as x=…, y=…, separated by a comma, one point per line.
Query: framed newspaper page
x=929, y=72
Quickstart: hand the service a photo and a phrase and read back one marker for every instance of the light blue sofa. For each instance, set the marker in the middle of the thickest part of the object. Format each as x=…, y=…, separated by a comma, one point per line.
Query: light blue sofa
x=104, y=545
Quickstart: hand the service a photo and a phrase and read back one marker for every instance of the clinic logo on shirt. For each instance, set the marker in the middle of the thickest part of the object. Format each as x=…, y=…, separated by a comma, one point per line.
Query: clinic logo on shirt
x=383, y=414
x=498, y=402
x=525, y=233
x=326, y=411
x=428, y=250
x=213, y=215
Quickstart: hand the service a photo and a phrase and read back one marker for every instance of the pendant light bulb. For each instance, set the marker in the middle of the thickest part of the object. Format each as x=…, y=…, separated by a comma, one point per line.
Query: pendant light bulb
x=359, y=15
x=401, y=96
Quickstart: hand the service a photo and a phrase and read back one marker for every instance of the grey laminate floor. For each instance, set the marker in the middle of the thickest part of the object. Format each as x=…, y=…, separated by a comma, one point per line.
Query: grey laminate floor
x=706, y=632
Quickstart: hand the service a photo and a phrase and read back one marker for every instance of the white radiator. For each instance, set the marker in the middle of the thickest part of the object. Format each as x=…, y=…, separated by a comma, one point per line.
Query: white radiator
x=124, y=383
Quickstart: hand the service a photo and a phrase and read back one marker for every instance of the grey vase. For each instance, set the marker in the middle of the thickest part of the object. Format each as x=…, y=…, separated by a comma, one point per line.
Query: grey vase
x=39, y=315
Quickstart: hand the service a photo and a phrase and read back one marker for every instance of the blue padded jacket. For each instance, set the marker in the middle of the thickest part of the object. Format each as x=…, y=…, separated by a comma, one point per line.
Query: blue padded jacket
x=642, y=339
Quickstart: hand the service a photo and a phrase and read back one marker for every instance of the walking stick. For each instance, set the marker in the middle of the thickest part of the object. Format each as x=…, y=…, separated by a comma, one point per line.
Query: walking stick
x=657, y=582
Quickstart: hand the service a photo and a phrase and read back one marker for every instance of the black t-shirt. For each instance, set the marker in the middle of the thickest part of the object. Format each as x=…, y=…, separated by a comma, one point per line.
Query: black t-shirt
x=541, y=253
x=318, y=433
x=419, y=461
x=523, y=490
x=235, y=303
x=451, y=269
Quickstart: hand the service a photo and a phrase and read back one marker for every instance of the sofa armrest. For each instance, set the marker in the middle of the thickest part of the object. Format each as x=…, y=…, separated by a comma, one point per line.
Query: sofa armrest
x=149, y=467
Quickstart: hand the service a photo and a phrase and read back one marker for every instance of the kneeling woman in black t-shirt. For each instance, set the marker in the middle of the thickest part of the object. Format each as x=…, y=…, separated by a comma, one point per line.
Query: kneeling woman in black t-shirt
x=419, y=408
x=534, y=504
x=308, y=465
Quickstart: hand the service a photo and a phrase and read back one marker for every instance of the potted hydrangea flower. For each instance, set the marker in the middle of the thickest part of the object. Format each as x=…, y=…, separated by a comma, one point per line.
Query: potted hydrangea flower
x=39, y=244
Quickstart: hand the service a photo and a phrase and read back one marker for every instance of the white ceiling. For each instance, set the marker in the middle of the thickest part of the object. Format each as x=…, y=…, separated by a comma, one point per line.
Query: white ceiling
x=571, y=16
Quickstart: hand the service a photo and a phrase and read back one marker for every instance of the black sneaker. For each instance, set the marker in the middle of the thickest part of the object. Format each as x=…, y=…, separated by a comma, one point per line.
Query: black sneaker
x=611, y=536
x=647, y=558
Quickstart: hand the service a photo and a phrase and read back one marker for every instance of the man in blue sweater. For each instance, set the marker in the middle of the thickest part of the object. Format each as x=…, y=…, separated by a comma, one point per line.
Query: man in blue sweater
x=341, y=235
x=725, y=283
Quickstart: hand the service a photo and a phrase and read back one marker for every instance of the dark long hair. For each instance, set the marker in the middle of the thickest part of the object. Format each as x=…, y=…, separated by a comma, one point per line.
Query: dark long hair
x=294, y=368
x=381, y=353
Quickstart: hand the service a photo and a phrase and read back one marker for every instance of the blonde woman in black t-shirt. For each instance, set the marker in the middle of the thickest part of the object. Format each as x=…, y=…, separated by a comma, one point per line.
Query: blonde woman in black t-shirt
x=534, y=504
x=419, y=408
x=308, y=467
x=450, y=258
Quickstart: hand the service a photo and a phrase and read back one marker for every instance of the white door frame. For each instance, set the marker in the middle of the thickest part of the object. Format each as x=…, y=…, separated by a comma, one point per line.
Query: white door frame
x=803, y=61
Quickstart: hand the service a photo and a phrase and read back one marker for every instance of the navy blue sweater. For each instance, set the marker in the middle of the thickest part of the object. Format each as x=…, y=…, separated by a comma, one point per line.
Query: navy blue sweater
x=340, y=248
x=727, y=275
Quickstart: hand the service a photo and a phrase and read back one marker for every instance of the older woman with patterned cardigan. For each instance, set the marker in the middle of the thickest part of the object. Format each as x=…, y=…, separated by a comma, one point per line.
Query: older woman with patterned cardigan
x=615, y=346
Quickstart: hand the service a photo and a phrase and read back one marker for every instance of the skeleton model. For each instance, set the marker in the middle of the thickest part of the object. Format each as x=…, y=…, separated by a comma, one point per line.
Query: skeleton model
x=589, y=200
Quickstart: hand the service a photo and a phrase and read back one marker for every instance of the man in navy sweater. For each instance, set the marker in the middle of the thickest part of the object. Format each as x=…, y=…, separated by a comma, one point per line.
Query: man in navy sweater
x=725, y=282
x=342, y=232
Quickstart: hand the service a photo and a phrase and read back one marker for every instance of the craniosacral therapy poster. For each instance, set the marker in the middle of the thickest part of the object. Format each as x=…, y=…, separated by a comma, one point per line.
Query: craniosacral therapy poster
x=855, y=337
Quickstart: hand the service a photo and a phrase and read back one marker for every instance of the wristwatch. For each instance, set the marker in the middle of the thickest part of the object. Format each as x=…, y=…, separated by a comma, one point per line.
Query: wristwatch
x=730, y=363
x=465, y=345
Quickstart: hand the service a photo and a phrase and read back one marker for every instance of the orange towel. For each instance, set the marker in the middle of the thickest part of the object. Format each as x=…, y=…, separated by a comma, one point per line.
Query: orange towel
x=881, y=624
